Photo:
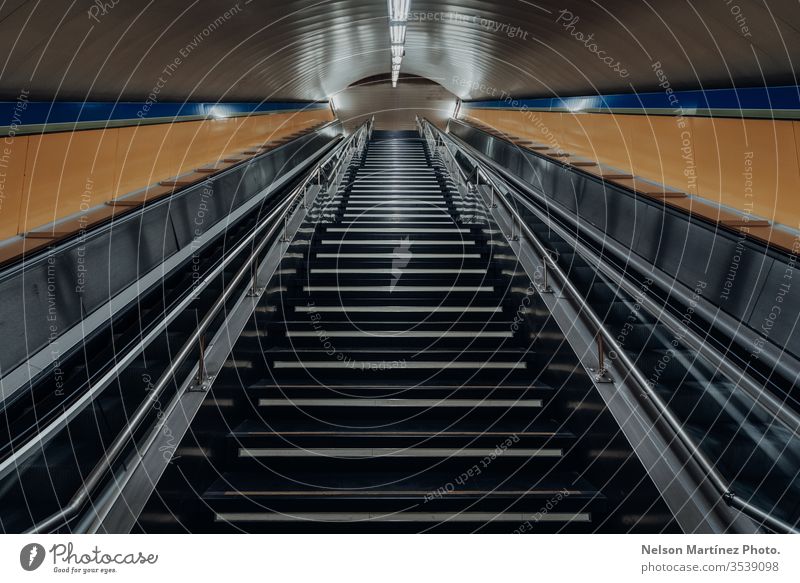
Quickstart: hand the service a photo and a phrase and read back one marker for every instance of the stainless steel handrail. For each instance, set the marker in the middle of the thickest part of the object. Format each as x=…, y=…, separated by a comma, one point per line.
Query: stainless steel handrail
x=273, y=221
x=711, y=472
x=359, y=144
x=755, y=390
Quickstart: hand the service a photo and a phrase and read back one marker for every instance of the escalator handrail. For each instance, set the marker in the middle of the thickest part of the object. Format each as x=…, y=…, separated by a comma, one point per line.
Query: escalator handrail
x=754, y=387
x=273, y=221
x=22, y=452
x=774, y=358
x=713, y=475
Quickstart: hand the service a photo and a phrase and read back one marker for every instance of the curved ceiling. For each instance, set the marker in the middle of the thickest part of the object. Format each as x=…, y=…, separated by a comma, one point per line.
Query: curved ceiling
x=208, y=50
x=394, y=108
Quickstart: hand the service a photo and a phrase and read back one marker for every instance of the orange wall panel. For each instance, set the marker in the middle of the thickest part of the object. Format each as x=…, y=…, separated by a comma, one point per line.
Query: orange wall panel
x=48, y=177
x=64, y=171
x=13, y=152
x=186, y=146
x=700, y=156
x=608, y=140
x=575, y=137
x=141, y=158
x=218, y=136
x=661, y=149
x=726, y=148
x=546, y=127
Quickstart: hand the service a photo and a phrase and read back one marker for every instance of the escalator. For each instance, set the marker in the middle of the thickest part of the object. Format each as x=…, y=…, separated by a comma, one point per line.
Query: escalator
x=401, y=374
x=740, y=433
x=62, y=426
x=758, y=453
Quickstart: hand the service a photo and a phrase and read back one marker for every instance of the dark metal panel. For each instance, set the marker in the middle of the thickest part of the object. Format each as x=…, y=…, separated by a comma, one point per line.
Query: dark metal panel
x=649, y=235
x=112, y=262
x=196, y=211
x=775, y=315
x=688, y=249
x=155, y=241
x=36, y=309
x=593, y=204
x=621, y=216
x=697, y=256
x=114, y=259
x=568, y=187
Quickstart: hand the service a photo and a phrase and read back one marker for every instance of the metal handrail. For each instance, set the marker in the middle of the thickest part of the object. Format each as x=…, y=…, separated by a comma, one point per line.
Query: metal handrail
x=775, y=407
x=711, y=472
x=273, y=221
x=360, y=141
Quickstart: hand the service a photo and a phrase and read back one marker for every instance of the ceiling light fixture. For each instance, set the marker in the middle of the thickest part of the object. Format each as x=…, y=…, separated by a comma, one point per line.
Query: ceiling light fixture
x=398, y=9
x=398, y=17
x=397, y=33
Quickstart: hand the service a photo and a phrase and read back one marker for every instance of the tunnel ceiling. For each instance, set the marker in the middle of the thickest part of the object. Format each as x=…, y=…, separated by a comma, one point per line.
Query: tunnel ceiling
x=286, y=50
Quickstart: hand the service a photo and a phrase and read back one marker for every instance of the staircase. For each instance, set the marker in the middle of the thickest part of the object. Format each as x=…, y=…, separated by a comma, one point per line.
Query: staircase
x=401, y=375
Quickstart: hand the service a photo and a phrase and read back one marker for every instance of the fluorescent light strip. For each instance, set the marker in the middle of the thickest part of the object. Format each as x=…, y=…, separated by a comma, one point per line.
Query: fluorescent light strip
x=397, y=33
x=398, y=16
x=398, y=10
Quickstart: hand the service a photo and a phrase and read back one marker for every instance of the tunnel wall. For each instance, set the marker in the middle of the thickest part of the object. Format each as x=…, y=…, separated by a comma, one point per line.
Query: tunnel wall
x=50, y=176
x=45, y=297
x=748, y=286
x=750, y=165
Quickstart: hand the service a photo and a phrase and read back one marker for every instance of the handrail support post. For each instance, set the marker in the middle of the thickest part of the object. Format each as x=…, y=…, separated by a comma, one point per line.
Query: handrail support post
x=255, y=289
x=543, y=287
x=203, y=380
x=600, y=374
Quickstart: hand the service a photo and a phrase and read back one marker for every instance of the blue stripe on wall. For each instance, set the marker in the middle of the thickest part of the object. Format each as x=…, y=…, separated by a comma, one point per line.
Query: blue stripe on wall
x=685, y=102
x=24, y=113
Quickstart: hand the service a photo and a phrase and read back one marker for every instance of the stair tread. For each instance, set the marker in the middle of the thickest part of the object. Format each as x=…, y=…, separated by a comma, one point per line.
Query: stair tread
x=501, y=428
x=397, y=267
x=395, y=484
